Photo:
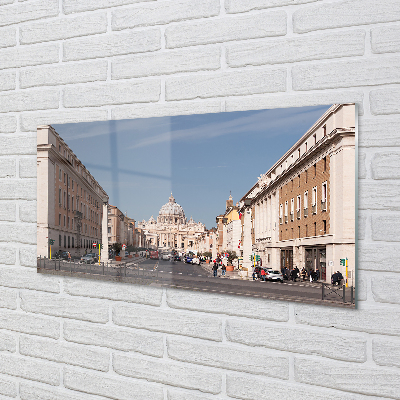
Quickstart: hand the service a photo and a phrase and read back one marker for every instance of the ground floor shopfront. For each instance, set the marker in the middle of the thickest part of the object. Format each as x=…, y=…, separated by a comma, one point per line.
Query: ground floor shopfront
x=322, y=257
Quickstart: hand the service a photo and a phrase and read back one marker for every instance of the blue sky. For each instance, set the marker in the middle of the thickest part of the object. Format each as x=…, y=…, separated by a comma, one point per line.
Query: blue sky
x=200, y=158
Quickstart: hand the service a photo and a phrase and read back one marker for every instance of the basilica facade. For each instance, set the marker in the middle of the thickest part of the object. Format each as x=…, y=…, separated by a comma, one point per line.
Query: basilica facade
x=171, y=230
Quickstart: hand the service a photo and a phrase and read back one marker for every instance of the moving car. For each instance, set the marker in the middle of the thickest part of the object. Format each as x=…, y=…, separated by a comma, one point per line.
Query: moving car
x=154, y=255
x=273, y=275
x=166, y=257
x=89, y=258
x=189, y=259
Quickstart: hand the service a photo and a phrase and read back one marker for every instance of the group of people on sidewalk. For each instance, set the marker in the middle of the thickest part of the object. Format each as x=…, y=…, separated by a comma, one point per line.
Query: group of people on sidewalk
x=217, y=264
x=303, y=275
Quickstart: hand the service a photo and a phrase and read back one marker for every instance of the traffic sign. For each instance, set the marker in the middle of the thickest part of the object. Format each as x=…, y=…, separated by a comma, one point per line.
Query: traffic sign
x=94, y=244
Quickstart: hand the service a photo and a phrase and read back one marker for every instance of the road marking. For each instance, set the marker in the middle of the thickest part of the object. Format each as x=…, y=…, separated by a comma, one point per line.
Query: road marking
x=179, y=273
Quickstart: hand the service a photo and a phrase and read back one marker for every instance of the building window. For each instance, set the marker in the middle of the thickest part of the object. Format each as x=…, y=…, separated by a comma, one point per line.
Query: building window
x=65, y=179
x=73, y=244
x=292, y=209
x=306, y=147
x=315, y=170
x=72, y=204
x=69, y=244
x=68, y=222
x=305, y=204
x=306, y=230
x=299, y=181
x=59, y=175
x=59, y=240
x=72, y=222
x=315, y=229
x=286, y=212
x=69, y=201
x=65, y=199
x=324, y=196
x=324, y=129
x=324, y=164
x=59, y=219
x=324, y=226
x=59, y=197
x=292, y=185
x=298, y=208
x=314, y=200
x=72, y=184
x=298, y=231
x=65, y=241
x=315, y=138
x=280, y=213
x=306, y=175
x=64, y=220
x=298, y=153
x=109, y=229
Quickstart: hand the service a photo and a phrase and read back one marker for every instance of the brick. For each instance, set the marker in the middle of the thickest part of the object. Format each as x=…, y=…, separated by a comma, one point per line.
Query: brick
x=8, y=37
x=3, y=2
x=148, y=343
x=73, y=6
x=237, y=6
x=28, y=11
x=63, y=74
x=275, y=51
x=346, y=74
x=163, y=13
x=256, y=388
x=29, y=369
x=66, y=353
x=226, y=84
x=362, y=289
x=31, y=392
x=170, y=373
x=386, y=351
x=385, y=289
x=22, y=56
x=7, y=256
x=30, y=121
x=7, y=342
x=27, y=167
x=379, y=132
x=30, y=324
x=7, y=167
x=385, y=101
x=385, y=227
x=168, y=62
x=114, y=291
x=8, y=124
x=386, y=165
x=18, y=144
x=7, y=211
x=298, y=340
x=225, y=29
x=362, y=170
x=14, y=189
x=344, y=13
x=29, y=99
x=185, y=395
x=362, y=221
x=111, y=387
x=113, y=93
x=63, y=28
x=23, y=278
x=166, y=109
x=8, y=299
x=28, y=256
x=242, y=307
x=295, y=100
x=378, y=257
x=17, y=233
x=7, y=80
x=385, y=39
x=386, y=196
x=379, y=320
x=343, y=376
x=162, y=320
x=27, y=210
x=113, y=44
x=8, y=388
x=228, y=357
x=50, y=304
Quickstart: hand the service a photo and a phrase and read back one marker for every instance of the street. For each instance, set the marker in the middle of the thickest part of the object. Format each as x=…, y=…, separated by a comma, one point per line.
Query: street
x=181, y=275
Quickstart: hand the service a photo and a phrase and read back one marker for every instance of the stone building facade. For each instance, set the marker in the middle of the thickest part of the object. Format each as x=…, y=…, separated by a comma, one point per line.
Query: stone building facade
x=71, y=203
x=301, y=212
x=120, y=227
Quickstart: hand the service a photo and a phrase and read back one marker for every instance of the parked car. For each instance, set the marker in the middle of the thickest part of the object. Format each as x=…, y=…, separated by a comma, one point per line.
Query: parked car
x=189, y=259
x=166, y=257
x=273, y=275
x=177, y=258
x=196, y=260
x=63, y=255
x=89, y=258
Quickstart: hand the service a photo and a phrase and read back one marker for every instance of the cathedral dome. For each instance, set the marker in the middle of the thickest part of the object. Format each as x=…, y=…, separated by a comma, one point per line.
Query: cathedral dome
x=172, y=208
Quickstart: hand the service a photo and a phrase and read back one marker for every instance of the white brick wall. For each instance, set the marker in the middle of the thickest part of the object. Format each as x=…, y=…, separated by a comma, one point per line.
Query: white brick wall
x=70, y=61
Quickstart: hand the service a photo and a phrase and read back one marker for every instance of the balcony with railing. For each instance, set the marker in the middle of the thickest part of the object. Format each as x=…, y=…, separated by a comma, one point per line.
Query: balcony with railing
x=323, y=205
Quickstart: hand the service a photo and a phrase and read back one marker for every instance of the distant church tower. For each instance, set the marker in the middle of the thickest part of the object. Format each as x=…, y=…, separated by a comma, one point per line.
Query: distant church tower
x=229, y=202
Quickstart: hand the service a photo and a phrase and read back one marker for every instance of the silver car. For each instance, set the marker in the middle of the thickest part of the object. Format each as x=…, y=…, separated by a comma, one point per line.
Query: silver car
x=273, y=275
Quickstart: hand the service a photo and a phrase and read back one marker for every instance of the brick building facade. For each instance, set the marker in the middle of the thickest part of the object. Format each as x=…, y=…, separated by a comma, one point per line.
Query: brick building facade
x=302, y=210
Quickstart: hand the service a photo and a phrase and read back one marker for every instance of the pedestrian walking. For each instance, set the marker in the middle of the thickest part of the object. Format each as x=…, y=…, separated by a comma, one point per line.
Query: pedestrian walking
x=215, y=269
x=263, y=274
x=223, y=268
